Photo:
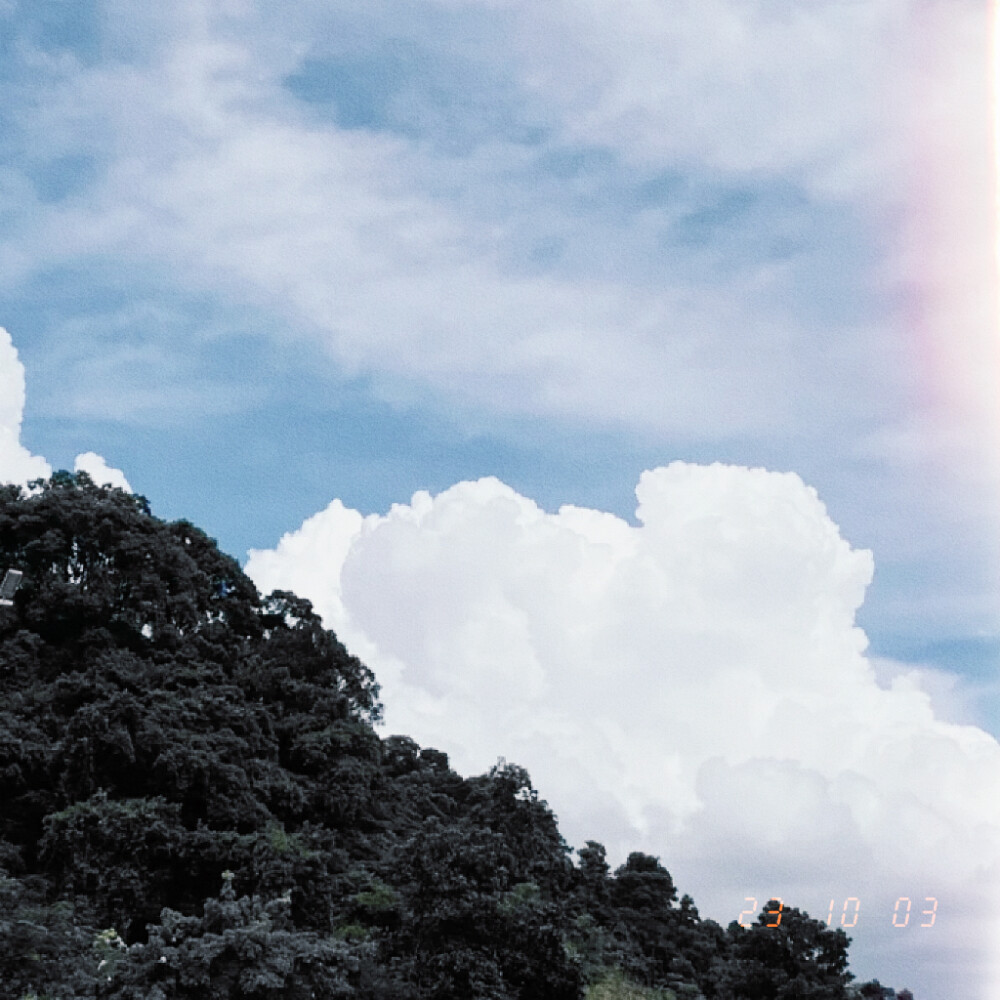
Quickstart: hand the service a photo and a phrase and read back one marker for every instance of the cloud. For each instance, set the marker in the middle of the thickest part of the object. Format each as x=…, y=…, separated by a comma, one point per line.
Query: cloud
x=98, y=470
x=17, y=464
x=694, y=686
x=778, y=87
x=322, y=228
x=750, y=227
x=601, y=270
x=415, y=263
x=951, y=701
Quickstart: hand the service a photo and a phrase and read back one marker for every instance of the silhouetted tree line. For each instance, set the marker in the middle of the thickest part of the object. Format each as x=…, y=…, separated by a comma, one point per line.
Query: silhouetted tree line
x=194, y=804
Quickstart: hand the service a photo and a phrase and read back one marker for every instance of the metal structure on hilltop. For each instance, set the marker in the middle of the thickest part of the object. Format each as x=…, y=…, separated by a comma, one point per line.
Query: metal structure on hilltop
x=11, y=581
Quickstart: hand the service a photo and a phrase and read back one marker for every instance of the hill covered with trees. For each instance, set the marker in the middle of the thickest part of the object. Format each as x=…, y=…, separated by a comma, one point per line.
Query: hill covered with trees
x=194, y=803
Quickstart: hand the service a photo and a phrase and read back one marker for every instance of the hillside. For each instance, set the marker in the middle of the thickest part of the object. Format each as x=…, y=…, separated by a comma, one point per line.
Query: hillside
x=196, y=804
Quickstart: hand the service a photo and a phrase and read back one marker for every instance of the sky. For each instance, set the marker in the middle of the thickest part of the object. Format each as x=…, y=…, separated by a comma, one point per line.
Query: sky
x=617, y=377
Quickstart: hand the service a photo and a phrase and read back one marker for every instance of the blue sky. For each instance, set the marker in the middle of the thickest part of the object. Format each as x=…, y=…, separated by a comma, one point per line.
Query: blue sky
x=263, y=256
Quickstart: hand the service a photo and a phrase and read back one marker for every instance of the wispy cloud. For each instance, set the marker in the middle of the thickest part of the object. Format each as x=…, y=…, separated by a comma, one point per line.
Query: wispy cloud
x=400, y=256
x=732, y=221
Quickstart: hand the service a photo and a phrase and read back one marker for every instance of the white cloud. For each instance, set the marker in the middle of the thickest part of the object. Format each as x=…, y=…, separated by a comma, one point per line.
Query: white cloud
x=951, y=701
x=324, y=228
x=17, y=464
x=378, y=246
x=744, y=87
x=694, y=686
x=99, y=470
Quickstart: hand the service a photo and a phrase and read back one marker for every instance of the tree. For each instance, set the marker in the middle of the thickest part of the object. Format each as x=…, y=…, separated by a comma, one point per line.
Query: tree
x=155, y=726
x=238, y=948
x=798, y=958
x=642, y=884
x=46, y=948
x=643, y=921
x=505, y=801
x=121, y=854
x=470, y=931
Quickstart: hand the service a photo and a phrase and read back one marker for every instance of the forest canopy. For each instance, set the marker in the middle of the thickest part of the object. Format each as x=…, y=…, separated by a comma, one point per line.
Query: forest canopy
x=196, y=804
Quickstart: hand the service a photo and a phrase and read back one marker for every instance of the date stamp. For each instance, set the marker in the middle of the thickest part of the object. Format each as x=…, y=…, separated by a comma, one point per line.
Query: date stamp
x=849, y=913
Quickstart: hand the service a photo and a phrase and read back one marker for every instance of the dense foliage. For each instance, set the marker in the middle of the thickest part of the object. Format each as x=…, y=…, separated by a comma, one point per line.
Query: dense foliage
x=195, y=804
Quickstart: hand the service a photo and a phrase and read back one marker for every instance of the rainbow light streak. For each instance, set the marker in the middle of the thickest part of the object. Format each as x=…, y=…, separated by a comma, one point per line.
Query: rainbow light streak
x=995, y=123
x=995, y=67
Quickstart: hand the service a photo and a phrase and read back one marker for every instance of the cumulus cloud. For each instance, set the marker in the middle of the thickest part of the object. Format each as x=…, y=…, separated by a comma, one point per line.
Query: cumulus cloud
x=17, y=464
x=99, y=470
x=693, y=685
